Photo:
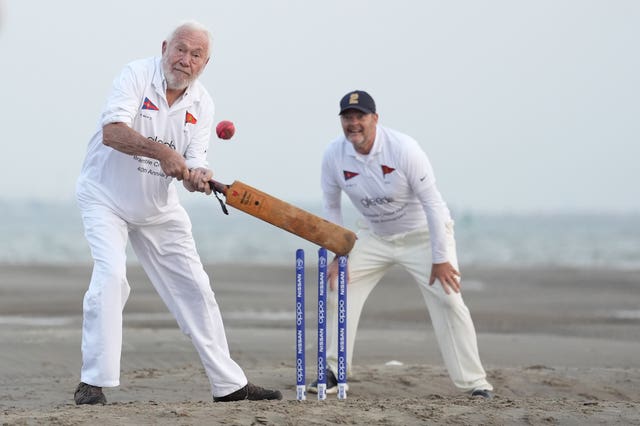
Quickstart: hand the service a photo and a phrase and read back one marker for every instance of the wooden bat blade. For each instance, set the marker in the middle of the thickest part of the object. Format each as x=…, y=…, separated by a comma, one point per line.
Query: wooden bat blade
x=288, y=217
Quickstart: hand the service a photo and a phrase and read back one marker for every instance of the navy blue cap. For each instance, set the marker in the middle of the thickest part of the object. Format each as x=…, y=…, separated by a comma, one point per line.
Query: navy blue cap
x=358, y=99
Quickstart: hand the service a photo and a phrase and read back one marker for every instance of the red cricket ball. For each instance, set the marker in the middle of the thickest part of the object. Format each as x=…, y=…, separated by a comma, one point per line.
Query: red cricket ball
x=225, y=129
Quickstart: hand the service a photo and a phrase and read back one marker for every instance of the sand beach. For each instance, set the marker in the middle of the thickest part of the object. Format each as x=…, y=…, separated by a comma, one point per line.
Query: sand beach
x=561, y=346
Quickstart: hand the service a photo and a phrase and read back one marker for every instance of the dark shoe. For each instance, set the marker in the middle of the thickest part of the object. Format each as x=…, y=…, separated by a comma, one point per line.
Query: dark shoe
x=332, y=384
x=481, y=393
x=250, y=392
x=87, y=394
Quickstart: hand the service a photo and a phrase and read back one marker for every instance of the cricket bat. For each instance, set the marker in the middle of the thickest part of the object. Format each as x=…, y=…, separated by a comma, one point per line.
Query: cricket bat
x=286, y=216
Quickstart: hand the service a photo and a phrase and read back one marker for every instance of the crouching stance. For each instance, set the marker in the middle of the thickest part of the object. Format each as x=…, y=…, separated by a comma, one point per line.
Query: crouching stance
x=389, y=179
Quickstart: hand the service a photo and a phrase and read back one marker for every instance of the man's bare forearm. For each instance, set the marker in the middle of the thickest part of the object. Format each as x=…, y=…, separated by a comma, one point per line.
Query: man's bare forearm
x=122, y=138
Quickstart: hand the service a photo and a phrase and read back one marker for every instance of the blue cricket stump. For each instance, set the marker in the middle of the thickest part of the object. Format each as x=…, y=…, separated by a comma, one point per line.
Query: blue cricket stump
x=300, y=326
x=342, y=327
x=322, y=324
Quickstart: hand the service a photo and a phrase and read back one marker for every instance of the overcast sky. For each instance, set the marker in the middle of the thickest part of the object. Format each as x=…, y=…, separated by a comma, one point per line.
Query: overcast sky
x=521, y=106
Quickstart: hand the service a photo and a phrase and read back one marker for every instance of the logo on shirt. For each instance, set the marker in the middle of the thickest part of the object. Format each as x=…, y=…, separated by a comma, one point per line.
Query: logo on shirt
x=378, y=201
x=189, y=118
x=170, y=144
x=386, y=170
x=348, y=175
x=147, y=104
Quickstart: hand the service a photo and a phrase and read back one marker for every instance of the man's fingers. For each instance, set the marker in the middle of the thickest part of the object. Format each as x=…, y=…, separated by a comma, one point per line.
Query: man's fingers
x=455, y=286
x=206, y=177
x=447, y=283
x=207, y=188
x=448, y=276
x=200, y=178
x=453, y=283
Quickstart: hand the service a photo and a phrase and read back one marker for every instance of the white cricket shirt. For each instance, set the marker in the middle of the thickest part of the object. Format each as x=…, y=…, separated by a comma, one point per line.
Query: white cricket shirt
x=134, y=186
x=393, y=187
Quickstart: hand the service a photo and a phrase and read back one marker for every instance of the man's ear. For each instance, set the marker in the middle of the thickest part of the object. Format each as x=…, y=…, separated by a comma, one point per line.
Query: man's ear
x=164, y=46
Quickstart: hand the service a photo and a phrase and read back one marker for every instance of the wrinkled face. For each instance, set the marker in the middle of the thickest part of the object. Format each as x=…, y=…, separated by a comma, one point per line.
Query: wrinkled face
x=184, y=58
x=359, y=129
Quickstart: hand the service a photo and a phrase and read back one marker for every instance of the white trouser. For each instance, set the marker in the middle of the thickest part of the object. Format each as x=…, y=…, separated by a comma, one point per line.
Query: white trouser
x=369, y=260
x=168, y=255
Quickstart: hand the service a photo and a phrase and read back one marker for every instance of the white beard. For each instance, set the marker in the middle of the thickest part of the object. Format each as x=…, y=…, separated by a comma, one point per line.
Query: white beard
x=175, y=81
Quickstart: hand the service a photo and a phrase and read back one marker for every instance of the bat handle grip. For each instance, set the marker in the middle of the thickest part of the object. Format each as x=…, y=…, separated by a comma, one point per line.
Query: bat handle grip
x=218, y=187
x=222, y=189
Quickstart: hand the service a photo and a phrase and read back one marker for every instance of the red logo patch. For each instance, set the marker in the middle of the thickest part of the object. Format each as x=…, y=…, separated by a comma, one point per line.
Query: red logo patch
x=386, y=170
x=147, y=104
x=348, y=175
x=189, y=118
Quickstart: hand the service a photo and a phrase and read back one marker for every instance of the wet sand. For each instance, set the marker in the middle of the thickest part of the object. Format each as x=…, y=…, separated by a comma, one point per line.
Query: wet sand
x=560, y=346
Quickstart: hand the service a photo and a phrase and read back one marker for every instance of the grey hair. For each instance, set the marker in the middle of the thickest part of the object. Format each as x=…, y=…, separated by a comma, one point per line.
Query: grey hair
x=192, y=26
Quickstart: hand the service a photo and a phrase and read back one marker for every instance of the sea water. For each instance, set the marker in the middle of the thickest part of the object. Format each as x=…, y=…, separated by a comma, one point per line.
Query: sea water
x=52, y=233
